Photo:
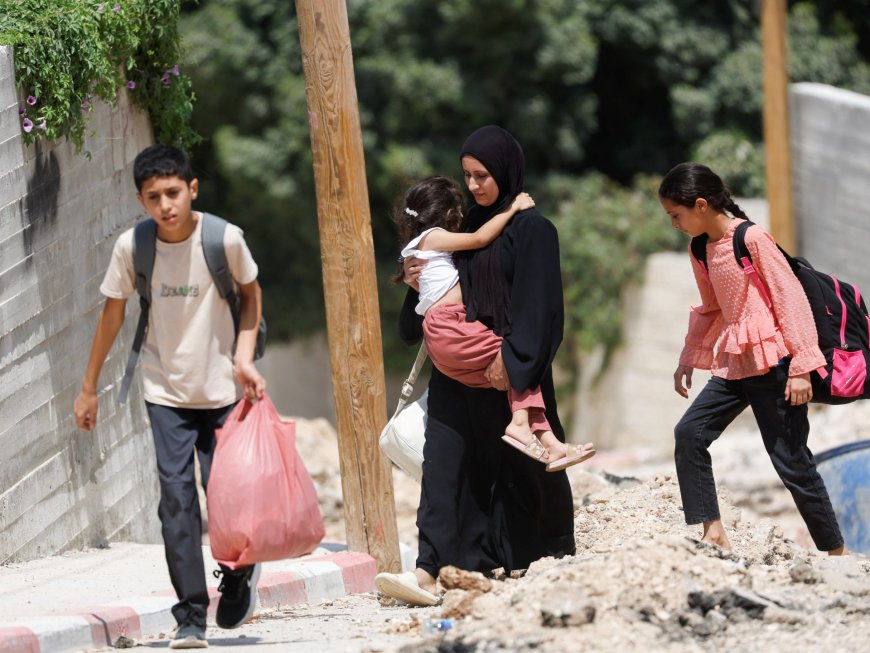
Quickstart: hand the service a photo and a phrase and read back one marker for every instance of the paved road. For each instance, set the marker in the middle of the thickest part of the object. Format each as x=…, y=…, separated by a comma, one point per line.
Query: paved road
x=351, y=624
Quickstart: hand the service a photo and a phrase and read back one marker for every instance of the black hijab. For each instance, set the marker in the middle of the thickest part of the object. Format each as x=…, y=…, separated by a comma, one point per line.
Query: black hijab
x=483, y=284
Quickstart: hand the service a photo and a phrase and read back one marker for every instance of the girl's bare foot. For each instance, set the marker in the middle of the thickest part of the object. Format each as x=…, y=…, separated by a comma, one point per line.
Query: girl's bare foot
x=839, y=551
x=714, y=533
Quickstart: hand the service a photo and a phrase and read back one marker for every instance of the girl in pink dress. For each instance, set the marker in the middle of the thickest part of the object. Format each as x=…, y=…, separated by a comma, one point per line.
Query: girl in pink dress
x=428, y=221
x=759, y=357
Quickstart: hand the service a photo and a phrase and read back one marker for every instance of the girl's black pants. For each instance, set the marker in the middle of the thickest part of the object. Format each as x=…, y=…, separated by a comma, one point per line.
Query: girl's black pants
x=784, y=431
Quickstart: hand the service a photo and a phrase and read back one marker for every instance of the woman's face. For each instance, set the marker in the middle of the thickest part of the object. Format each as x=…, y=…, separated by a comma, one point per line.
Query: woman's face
x=481, y=184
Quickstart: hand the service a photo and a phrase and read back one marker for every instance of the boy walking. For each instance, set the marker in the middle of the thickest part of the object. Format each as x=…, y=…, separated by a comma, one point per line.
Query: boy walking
x=189, y=374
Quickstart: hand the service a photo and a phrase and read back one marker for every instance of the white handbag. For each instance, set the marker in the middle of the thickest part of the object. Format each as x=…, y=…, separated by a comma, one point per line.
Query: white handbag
x=403, y=437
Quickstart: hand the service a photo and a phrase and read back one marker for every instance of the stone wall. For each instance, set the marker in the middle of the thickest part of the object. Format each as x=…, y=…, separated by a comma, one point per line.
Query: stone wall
x=831, y=176
x=60, y=214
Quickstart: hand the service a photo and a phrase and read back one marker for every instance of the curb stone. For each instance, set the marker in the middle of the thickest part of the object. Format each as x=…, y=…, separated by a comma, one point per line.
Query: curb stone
x=323, y=574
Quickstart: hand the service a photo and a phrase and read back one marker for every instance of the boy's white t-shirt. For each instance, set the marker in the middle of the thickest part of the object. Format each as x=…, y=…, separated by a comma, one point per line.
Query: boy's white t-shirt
x=187, y=355
x=438, y=275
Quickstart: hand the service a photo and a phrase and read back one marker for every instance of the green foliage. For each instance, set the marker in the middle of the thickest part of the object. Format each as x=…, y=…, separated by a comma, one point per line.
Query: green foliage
x=624, y=88
x=255, y=166
x=70, y=52
x=736, y=158
x=606, y=231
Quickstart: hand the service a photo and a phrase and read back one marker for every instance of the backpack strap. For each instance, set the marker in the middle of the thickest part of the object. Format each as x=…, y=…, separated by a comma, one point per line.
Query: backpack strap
x=744, y=260
x=213, y=228
x=144, y=245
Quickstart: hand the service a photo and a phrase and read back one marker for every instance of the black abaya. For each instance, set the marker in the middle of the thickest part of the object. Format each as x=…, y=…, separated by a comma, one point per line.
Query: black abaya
x=483, y=504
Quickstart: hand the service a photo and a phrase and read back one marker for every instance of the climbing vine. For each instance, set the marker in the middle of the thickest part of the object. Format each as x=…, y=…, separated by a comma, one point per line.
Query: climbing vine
x=69, y=53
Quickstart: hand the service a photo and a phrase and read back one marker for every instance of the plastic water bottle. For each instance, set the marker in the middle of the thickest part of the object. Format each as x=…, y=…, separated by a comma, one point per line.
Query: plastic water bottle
x=436, y=625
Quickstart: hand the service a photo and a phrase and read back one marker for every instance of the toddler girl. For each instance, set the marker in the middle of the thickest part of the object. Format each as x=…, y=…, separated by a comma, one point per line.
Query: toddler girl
x=429, y=221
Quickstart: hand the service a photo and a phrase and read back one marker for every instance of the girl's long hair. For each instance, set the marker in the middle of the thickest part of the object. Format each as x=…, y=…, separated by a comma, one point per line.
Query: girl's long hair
x=431, y=202
x=687, y=182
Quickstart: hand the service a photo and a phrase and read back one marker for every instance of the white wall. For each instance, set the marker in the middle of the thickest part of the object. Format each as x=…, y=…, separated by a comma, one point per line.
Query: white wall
x=60, y=214
x=831, y=175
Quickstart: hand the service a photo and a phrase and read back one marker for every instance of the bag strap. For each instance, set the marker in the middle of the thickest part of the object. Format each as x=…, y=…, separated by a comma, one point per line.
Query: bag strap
x=215, y=254
x=408, y=385
x=213, y=229
x=144, y=245
x=744, y=260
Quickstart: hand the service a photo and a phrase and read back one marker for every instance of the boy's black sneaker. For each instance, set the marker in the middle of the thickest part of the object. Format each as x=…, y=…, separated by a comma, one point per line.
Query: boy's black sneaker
x=238, y=595
x=189, y=635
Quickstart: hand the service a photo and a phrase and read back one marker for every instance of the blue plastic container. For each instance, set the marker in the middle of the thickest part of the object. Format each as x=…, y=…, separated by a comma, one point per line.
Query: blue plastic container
x=846, y=472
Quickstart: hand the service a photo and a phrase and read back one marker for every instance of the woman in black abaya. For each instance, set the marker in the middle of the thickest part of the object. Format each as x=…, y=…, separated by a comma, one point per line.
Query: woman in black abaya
x=484, y=505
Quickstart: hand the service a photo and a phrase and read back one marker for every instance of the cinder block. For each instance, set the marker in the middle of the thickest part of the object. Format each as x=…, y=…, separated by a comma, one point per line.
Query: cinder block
x=60, y=214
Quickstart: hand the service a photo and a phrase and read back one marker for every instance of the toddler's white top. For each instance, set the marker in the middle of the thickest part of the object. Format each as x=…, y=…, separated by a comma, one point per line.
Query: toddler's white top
x=438, y=276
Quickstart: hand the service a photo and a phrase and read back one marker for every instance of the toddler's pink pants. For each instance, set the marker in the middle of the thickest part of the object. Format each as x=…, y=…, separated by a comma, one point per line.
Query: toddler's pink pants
x=462, y=350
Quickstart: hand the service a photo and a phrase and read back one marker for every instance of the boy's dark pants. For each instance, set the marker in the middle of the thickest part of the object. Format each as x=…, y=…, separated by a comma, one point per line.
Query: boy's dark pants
x=784, y=430
x=177, y=431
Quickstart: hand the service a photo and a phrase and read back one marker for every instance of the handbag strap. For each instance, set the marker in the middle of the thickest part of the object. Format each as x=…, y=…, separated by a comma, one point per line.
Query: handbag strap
x=408, y=385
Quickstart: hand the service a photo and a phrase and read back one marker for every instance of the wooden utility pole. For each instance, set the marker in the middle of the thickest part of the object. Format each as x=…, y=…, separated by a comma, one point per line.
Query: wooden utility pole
x=774, y=31
x=349, y=279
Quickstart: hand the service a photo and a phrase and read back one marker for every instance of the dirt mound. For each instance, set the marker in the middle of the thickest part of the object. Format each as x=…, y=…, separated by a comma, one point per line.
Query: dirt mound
x=639, y=579
x=638, y=582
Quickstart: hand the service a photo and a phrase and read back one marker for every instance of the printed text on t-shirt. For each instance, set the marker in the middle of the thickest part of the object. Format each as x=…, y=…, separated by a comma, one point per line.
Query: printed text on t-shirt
x=179, y=291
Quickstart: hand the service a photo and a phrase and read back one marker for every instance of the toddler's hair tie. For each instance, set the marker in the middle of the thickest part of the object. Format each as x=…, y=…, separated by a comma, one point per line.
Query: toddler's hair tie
x=411, y=212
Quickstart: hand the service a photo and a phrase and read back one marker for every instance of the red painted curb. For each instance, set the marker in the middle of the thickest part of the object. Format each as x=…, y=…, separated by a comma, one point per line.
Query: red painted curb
x=358, y=571
x=18, y=639
x=110, y=622
x=283, y=588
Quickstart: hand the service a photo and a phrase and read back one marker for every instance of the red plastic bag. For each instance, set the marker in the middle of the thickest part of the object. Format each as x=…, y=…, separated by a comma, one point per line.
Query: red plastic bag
x=262, y=504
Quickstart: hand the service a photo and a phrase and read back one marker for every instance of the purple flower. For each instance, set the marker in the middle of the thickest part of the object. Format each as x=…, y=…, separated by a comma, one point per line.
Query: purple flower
x=21, y=112
x=27, y=125
x=174, y=70
x=131, y=84
x=165, y=79
x=101, y=7
x=117, y=8
x=31, y=100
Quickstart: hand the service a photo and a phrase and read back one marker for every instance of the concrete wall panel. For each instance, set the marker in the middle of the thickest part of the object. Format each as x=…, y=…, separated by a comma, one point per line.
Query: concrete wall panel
x=60, y=213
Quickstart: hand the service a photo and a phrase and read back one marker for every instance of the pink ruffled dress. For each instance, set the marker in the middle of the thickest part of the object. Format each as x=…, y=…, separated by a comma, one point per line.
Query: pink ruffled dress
x=732, y=332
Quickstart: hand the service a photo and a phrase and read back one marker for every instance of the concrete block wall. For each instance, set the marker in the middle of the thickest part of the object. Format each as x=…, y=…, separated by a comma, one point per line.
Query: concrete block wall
x=60, y=214
x=830, y=130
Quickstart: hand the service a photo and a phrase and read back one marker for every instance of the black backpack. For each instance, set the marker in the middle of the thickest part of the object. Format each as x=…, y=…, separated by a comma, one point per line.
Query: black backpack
x=840, y=315
x=144, y=247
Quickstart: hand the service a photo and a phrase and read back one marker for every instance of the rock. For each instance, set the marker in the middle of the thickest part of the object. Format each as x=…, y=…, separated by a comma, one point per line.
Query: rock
x=453, y=578
x=457, y=604
x=567, y=613
x=777, y=615
x=802, y=572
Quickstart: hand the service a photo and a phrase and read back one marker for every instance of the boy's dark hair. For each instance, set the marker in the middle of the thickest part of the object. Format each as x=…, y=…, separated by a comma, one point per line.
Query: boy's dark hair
x=431, y=202
x=161, y=160
x=687, y=182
